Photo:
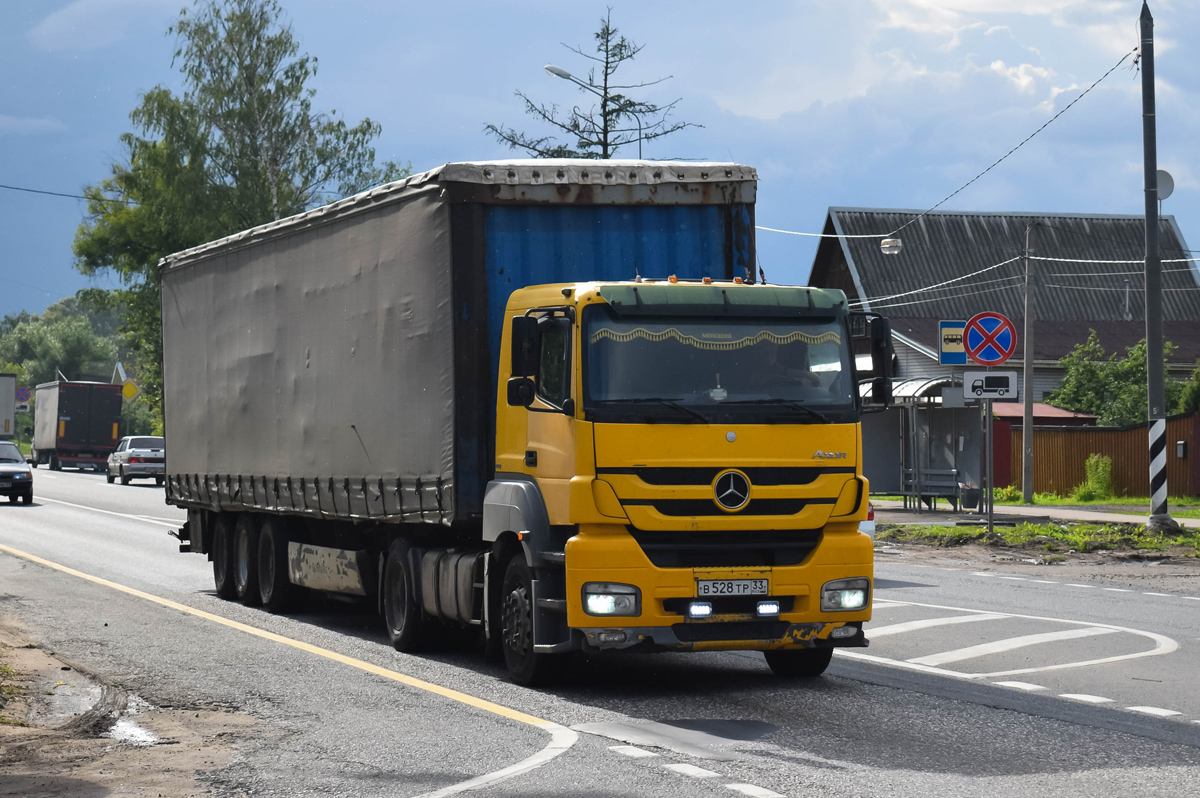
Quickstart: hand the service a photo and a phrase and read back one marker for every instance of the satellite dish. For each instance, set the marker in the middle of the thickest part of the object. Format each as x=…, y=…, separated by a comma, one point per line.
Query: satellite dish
x=1166, y=184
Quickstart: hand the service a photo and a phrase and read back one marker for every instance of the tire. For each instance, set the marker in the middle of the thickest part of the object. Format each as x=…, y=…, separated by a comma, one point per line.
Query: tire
x=159, y=481
x=108, y=475
x=525, y=667
x=802, y=663
x=245, y=560
x=12, y=498
x=276, y=592
x=33, y=458
x=221, y=552
x=401, y=609
x=28, y=498
x=125, y=477
x=54, y=464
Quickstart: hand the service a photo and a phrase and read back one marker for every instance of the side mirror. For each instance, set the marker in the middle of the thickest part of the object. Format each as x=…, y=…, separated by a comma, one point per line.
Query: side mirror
x=520, y=392
x=525, y=346
x=881, y=361
x=568, y=407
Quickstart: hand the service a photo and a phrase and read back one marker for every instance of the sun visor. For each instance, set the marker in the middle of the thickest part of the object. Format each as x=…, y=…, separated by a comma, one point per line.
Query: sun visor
x=658, y=299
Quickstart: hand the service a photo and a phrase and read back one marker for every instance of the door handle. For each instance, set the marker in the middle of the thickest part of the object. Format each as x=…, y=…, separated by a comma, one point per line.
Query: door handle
x=531, y=458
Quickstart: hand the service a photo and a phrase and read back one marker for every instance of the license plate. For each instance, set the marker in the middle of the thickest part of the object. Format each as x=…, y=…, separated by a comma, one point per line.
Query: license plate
x=732, y=587
x=5, y=484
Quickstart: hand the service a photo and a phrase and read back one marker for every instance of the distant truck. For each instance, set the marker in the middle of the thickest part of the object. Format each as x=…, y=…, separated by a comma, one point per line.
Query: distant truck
x=8, y=406
x=539, y=399
x=76, y=424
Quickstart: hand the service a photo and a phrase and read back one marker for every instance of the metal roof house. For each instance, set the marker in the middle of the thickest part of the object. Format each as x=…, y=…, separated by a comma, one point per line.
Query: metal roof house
x=1086, y=274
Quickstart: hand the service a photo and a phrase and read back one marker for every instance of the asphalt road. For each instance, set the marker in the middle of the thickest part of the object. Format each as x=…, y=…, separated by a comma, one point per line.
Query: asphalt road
x=960, y=692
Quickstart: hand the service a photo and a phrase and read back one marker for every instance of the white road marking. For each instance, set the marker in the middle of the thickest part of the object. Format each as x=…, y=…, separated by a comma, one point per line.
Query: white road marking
x=685, y=769
x=1156, y=711
x=929, y=623
x=753, y=791
x=1045, y=582
x=1117, y=590
x=1021, y=686
x=1166, y=595
x=1191, y=598
x=1073, y=585
x=561, y=738
x=1090, y=699
x=142, y=518
x=981, y=573
x=1016, y=578
x=1010, y=644
x=632, y=750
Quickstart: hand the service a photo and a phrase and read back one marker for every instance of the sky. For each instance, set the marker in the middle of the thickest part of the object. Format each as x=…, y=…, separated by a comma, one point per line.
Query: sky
x=870, y=103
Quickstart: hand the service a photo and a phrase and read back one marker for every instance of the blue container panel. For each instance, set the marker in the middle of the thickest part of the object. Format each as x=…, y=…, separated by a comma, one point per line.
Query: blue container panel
x=540, y=244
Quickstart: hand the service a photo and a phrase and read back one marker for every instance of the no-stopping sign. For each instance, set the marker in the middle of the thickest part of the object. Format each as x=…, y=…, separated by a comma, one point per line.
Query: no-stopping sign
x=989, y=338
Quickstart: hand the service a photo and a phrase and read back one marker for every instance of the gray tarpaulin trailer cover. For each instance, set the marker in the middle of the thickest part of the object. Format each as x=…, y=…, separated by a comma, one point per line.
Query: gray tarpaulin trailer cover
x=342, y=363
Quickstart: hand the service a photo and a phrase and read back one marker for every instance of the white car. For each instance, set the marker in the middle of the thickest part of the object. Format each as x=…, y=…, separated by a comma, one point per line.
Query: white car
x=138, y=457
x=868, y=527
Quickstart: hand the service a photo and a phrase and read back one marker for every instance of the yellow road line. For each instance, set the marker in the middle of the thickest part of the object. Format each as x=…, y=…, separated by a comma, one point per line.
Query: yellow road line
x=429, y=687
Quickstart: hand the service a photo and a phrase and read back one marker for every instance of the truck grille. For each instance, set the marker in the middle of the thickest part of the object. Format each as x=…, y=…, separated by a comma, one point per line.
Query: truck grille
x=726, y=549
x=804, y=475
x=677, y=508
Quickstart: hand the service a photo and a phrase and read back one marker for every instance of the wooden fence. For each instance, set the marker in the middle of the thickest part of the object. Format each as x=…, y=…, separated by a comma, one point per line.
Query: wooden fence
x=1059, y=454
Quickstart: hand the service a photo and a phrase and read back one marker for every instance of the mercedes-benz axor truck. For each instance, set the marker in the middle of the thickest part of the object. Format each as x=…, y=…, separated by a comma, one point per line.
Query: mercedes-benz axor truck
x=544, y=400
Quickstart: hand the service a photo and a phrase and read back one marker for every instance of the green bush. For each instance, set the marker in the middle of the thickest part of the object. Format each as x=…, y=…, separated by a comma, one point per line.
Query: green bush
x=1099, y=474
x=1009, y=493
x=1084, y=492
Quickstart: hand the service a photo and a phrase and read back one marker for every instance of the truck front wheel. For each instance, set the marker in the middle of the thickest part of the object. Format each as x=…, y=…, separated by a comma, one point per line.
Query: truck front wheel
x=525, y=666
x=406, y=628
x=805, y=663
x=245, y=559
x=222, y=556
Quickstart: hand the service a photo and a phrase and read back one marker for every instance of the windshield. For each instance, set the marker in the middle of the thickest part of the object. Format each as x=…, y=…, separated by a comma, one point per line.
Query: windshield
x=9, y=453
x=718, y=369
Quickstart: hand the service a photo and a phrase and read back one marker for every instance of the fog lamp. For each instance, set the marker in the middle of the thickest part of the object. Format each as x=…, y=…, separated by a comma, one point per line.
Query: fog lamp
x=768, y=608
x=611, y=637
x=699, y=609
x=844, y=631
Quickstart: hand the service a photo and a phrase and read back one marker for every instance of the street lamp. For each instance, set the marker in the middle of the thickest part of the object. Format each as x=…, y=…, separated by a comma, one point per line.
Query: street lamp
x=891, y=246
x=559, y=72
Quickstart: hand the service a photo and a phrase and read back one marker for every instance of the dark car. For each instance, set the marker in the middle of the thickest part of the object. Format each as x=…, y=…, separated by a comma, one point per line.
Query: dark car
x=16, y=477
x=138, y=457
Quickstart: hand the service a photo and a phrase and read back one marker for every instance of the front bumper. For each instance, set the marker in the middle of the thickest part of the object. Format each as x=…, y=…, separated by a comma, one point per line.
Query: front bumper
x=15, y=487
x=610, y=554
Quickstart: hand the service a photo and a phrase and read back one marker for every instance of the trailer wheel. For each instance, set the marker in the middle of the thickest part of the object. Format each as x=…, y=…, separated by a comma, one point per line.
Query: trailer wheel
x=222, y=556
x=401, y=610
x=804, y=663
x=54, y=464
x=276, y=591
x=245, y=560
x=525, y=666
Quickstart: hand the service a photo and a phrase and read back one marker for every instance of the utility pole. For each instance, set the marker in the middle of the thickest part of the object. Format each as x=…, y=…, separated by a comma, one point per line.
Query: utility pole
x=1160, y=518
x=1027, y=378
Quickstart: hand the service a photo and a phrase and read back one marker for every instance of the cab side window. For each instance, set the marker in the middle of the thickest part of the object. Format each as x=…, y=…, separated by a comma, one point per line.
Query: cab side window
x=554, y=370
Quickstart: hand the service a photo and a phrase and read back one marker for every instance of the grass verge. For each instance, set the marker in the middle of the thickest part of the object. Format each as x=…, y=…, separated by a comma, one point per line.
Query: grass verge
x=1046, y=537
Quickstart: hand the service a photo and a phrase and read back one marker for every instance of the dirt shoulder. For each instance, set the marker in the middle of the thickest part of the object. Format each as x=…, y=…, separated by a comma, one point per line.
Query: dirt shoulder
x=67, y=732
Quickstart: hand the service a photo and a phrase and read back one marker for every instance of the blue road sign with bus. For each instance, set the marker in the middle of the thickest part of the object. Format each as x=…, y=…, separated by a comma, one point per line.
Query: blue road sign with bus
x=951, y=349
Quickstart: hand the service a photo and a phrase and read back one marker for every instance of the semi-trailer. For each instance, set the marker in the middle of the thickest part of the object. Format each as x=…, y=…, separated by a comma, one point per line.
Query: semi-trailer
x=76, y=424
x=544, y=399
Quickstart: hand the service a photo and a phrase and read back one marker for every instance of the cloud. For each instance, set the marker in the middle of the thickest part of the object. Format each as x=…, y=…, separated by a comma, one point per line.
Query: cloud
x=91, y=24
x=28, y=126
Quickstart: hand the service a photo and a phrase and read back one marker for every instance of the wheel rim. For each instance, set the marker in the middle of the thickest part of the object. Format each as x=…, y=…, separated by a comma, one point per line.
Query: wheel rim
x=243, y=558
x=518, y=621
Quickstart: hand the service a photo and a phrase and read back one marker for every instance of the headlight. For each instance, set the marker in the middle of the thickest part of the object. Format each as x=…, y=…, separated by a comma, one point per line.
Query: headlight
x=845, y=595
x=26, y=475
x=602, y=598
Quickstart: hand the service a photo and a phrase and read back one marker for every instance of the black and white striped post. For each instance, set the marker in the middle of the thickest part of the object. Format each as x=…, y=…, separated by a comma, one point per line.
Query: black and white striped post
x=1160, y=518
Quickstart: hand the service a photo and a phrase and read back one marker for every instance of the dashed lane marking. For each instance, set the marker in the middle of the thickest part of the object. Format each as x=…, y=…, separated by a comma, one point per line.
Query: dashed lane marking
x=1089, y=587
x=561, y=738
x=1089, y=699
x=753, y=791
x=1166, y=595
x=1044, y=582
x=1009, y=644
x=142, y=518
x=685, y=769
x=1016, y=578
x=632, y=750
x=1116, y=590
x=1026, y=686
x=930, y=623
x=1158, y=712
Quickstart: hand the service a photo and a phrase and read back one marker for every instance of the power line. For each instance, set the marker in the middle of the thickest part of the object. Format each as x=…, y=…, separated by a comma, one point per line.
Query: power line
x=1116, y=274
x=937, y=285
x=816, y=235
x=943, y=299
x=1100, y=288
x=60, y=194
x=1139, y=260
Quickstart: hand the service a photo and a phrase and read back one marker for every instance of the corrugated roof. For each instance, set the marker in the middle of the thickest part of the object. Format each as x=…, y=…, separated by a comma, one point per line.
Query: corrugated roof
x=1070, y=298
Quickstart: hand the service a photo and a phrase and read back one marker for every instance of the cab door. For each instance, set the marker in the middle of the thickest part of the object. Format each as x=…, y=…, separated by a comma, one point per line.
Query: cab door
x=550, y=426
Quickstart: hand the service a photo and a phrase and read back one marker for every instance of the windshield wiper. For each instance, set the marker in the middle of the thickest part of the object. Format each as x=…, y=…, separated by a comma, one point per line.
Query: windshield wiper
x=671, y=403
x=788, y=403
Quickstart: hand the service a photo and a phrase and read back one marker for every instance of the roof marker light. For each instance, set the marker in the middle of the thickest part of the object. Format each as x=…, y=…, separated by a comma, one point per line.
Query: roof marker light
x=738, y=280
x=707, y=280
x=673, y=279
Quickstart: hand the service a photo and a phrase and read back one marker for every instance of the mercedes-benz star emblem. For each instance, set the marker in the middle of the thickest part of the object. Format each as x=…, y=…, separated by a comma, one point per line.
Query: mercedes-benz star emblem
x=732, y=490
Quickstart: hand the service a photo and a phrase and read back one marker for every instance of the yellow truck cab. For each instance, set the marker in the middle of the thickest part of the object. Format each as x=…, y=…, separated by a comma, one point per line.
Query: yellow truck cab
x=697, y=452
